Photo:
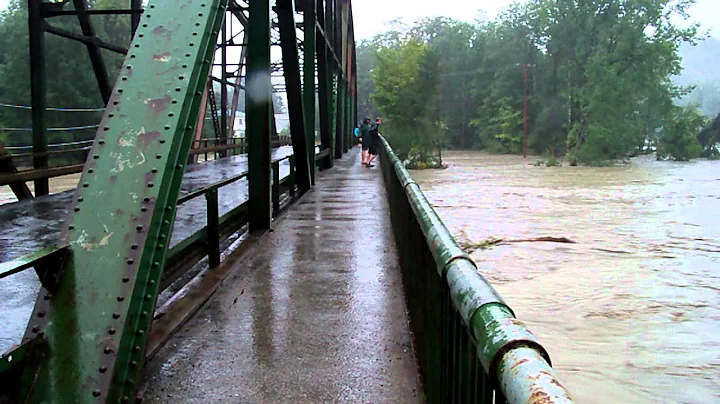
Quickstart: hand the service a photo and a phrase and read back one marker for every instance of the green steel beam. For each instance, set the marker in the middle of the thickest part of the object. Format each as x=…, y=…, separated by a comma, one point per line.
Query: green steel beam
x=38, y=82
x=93, y=321
x=324, y=87
x=94, y=51
x=339, y=119
x=309, y=82
x=291, y=69
x=259, y=113
x=348, y=117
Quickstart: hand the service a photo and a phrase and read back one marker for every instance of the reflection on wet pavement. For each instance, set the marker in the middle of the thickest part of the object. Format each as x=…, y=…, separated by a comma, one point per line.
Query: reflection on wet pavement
x=630, y=313
x=315, y=313
x=30, y=225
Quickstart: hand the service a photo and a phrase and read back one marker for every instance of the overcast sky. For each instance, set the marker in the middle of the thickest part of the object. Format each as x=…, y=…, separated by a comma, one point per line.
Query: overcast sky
x=371, y=16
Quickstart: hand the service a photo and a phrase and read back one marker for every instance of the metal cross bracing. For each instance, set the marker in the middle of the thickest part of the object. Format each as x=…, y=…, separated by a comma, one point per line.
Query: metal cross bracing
x=88, y=335
x=40, y=22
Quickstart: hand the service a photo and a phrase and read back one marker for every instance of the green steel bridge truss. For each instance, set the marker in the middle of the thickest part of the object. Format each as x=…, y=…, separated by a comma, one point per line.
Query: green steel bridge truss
x=87, y=337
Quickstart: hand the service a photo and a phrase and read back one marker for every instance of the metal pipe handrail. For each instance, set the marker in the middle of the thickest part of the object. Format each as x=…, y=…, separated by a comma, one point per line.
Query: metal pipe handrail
x=221, y=183
x=510, y=355
x=216, y=185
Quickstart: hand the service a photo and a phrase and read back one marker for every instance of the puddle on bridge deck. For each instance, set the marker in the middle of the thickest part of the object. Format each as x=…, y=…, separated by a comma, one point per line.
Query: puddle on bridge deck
x=630, y=312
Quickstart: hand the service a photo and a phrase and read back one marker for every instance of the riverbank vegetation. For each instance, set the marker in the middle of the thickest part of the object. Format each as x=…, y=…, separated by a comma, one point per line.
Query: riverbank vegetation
x=595, y=78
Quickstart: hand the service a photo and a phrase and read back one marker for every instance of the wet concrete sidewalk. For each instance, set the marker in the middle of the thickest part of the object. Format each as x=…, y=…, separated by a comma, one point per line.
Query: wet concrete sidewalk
x=314, y=313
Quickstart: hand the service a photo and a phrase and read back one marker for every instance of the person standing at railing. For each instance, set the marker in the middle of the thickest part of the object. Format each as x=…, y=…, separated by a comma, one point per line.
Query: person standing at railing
x=356, y=133
x=374, y=142
x=365, y=139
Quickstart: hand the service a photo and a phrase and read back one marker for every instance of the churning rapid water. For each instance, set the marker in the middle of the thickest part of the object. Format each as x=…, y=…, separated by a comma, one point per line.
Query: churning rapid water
x=630, y=313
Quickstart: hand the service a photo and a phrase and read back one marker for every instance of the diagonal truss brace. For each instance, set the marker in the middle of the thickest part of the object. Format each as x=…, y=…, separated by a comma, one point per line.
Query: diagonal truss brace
x=94, y=325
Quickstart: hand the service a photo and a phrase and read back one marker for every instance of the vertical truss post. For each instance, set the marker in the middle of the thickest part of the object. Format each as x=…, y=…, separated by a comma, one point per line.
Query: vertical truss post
x=291, y=69
x=38, y=81
x=349, y=122
x=339, y=119
x=223, y=138
x=96, y=58
x=259, y=109
x=93, y=319
x=330, y=21
x=330, y=35
x=353, y=71
x=309, y=82
x=236, y=89
x=351, y=118
x=136, y=6
x=193, y=158
x=324, y=86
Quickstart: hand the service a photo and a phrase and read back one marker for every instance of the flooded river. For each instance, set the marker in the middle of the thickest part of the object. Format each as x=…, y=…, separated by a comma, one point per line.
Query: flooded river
x=630, y=312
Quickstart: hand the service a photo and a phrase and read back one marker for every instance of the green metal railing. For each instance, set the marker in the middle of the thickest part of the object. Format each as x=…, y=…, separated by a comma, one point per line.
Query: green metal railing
x=470, y=346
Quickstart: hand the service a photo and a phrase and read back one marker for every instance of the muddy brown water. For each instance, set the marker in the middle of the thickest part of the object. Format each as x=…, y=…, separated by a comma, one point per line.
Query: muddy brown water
x=630, y=312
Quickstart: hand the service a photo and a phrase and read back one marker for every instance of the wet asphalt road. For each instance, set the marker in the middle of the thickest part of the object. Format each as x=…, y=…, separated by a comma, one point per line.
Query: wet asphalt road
x=315, y=313
x=30, y=225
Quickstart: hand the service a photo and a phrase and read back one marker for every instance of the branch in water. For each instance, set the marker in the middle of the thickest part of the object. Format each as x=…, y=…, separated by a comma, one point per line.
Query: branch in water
x=471, y=247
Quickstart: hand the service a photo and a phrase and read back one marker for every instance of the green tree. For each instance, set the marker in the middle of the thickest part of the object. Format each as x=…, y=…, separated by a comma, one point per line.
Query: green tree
x=615, y=54
x=366, y=62
x=679, y=138
x=456, y=45
x=709, y=139
x=406, y=80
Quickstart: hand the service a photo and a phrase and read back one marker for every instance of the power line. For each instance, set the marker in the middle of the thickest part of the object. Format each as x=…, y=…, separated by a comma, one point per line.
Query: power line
x=68, y=129
x=53, y=109
x=50, y=145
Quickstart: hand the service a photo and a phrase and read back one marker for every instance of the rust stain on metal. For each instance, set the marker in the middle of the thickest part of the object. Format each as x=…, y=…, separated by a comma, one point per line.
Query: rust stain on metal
x=540, y=397
x=162, y=57
x=159, y=105
x=159, y=30
x=520, y=362
x=148, y=138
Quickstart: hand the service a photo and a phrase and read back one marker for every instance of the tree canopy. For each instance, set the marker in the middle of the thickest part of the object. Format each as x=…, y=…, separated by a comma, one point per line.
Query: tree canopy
x=597, y=74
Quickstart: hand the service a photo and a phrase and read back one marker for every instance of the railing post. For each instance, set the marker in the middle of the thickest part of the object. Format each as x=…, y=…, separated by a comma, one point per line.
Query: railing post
x=276, y=186
x=291, y=175
x=213, y=227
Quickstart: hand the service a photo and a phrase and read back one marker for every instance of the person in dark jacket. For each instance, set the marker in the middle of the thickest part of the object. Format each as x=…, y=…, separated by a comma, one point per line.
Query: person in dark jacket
x=365, y=139
x=374, y=136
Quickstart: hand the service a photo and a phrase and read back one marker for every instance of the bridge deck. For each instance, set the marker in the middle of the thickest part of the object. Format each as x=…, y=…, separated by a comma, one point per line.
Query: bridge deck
x=313, y=313
x=30, y=225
